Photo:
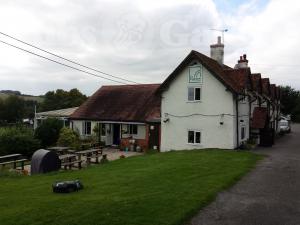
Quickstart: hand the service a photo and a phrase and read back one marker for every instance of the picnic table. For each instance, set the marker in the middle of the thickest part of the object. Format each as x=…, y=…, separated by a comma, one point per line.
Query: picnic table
x=12, y=159
x=59, y=149
x=90, y=153
x=69, y=160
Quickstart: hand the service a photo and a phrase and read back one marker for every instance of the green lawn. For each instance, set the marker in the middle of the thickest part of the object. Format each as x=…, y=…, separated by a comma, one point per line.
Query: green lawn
x=165, y=188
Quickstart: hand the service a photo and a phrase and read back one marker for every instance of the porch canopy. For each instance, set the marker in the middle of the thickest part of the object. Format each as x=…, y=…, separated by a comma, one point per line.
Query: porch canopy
x=260, y=115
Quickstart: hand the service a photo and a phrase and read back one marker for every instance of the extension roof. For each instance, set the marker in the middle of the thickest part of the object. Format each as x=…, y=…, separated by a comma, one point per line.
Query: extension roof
x=57, y=113
x=259, y=119
x=128, y=103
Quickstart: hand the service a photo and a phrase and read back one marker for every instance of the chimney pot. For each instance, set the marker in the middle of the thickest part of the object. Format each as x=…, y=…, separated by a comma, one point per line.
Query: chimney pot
x=219, y=39
x=245, y=56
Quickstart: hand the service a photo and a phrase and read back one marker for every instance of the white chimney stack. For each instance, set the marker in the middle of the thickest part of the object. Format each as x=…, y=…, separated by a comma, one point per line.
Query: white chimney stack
x=217, y=51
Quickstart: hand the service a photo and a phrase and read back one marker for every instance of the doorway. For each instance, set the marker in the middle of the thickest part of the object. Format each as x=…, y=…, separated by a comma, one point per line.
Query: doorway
x=116, y=134
x=154, y=136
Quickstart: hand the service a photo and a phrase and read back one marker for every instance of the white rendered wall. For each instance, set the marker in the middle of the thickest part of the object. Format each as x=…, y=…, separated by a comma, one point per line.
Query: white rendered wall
x=215, y=99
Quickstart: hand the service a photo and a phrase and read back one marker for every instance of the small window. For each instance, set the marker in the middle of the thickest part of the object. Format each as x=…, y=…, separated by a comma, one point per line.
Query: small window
x=194, y=137
x=86, y=128
x=194, y=93
x=132, y=129
x=243, y=133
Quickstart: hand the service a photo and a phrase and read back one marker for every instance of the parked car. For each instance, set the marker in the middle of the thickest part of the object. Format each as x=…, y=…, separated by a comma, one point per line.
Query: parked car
x=284, y=126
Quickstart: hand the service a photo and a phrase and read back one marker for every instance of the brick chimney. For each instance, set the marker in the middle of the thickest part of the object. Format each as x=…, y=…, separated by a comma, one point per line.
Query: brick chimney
x=217, y=51
x=242, y=62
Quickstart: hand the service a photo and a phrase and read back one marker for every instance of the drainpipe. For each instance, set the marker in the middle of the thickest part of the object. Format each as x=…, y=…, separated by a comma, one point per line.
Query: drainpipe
x=237, y=121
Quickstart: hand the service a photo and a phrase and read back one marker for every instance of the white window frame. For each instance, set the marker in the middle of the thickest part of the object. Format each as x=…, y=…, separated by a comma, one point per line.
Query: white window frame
x=84, y=128
x=194, y=87
x=130, y=129
x=195, y=131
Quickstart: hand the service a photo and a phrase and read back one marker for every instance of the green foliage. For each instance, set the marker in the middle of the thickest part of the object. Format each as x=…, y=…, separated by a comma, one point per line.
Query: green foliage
x=60, y=99
x=68, y=138
x=12, y=109
x=290, y=101
x=17, y=140
x=48, y=131
x=164, y=188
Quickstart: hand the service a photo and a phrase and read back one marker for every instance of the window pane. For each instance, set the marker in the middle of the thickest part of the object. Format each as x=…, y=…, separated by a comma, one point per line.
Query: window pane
x=191, y=137
x=88, y=127
x=198, y=137
x=191, y=94
x=197, y=93
x=134, y=129
x=243, y=133
x=103, y=130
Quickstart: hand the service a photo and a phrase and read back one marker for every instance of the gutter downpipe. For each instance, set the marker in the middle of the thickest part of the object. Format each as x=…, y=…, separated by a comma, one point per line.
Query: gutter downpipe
x=237, y=121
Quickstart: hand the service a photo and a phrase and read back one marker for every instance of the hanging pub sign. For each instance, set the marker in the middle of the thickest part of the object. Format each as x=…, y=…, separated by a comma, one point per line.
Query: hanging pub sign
x=195, y=74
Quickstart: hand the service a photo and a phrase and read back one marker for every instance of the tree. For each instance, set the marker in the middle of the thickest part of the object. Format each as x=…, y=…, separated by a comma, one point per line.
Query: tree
x=12, y=109
x=68, y=138
x=18, y=140
x=48, y=131
x=289, y=99
x=60, y=99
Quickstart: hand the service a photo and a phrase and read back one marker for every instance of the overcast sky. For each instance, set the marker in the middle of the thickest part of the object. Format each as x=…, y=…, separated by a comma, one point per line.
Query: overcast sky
x=143, y=41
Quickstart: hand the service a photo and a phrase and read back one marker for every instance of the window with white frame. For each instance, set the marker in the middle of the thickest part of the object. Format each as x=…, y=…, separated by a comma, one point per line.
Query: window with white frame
x=132, y=129
x=86, y=127
x=194, y=93
x=243, y=133
x=101, y=128
x=194, y=137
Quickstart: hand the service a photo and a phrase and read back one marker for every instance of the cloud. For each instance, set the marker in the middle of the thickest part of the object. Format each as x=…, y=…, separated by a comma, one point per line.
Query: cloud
x=142, y=40
x=269, y=38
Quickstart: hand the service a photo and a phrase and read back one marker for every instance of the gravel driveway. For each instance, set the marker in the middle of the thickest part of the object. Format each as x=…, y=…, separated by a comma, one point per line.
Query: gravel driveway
x=269, y=195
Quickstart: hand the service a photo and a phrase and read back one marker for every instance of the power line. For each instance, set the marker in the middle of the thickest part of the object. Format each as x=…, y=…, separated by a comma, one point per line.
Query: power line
x=63, y=58
x=60, y=63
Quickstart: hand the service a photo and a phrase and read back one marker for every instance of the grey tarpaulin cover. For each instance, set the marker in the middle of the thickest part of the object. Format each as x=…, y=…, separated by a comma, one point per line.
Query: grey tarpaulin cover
x=44, y=161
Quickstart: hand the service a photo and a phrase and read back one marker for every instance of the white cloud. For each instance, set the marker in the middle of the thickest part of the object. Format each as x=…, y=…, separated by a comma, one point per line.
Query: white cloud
x=141, y=40
x=270, y=39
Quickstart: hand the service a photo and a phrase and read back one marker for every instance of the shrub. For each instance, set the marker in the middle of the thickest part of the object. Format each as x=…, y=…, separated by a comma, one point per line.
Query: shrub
x=48, y=131
x=68, y=137
x=18, y=140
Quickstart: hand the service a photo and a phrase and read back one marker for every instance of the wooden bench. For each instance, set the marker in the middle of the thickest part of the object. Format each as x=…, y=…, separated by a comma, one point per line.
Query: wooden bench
x=71, y=164
x=22, y=161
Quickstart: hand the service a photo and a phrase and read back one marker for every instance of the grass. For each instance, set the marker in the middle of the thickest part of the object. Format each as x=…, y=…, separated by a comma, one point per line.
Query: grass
x=165, y=188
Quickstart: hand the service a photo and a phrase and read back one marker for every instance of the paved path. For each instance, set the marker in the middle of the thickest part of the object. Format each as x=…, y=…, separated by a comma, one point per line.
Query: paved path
x=269, y=195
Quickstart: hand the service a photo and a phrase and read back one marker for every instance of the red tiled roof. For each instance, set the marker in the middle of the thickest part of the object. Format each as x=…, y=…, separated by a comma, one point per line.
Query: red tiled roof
x=278, y=93
x=240, y=77
x=210, y=64
x=259, y=118
x=256, y=82
x=273, y=91
x=135, y=103
x=266, y=86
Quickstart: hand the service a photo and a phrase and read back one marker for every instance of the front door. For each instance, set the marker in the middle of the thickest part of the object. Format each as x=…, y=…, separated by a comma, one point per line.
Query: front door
x=154, y=136
x=116, y=134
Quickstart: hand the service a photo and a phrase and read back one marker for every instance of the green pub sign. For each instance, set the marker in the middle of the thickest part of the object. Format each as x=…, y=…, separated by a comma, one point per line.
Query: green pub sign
x=195, y=74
